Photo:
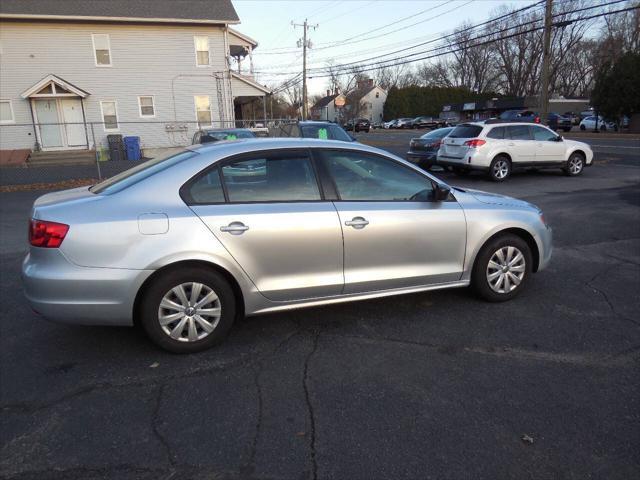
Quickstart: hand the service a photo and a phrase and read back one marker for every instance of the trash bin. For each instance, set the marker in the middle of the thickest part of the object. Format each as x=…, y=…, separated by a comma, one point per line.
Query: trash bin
x=132, y=148
x=116, y=147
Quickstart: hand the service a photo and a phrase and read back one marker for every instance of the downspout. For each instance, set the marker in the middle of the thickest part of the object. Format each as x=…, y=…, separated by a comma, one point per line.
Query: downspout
x=36, y=147
x=84, y=120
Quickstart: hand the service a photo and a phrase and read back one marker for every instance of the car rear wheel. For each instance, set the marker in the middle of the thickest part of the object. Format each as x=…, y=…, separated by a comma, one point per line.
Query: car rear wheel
x=500, y=169
x=575, y=165
x=583, y=128
x=461, y=172
x=502, y=268
x=188, y=310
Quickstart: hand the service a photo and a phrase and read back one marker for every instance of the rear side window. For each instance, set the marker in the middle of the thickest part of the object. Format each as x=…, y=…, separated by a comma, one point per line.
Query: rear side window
x=497, y=133
x=206, y=189
x=466, y=131
x=284, y=178
x=140, y=172
x=519, y=132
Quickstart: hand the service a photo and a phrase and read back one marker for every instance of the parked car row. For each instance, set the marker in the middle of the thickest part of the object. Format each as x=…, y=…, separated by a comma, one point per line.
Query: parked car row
x=415, y=123
x=497, y=148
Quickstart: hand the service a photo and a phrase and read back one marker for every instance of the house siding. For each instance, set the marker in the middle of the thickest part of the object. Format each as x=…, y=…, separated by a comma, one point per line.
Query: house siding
x=375, y=111
x=156, y=60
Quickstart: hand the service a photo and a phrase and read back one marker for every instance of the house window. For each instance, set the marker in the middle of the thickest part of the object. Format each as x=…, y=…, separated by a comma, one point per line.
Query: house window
x=6, y=112
x=102, y=49
x=202, y=50
x=203, y=109
x=109, y=115
x=377, y=94
x=147, y=108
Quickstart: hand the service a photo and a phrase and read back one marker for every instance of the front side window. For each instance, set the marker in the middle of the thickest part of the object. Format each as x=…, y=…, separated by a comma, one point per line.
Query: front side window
x=519, y=132
x=202, y=50
x=102, y=49
x=271, y=178
x=203, y=109
x=147, y=108
x=364, y=177
x=109, y=115
x=6, y=112
x=543, y=135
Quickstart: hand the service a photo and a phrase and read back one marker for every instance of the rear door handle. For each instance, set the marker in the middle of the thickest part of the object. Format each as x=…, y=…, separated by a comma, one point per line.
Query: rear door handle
x=511, y=144
x=235, y=228
x=357, y=222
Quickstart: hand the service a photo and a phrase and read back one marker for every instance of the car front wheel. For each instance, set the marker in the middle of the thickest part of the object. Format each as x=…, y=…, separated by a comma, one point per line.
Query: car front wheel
x=188, y=310
x=575, y=165
x=502, y=268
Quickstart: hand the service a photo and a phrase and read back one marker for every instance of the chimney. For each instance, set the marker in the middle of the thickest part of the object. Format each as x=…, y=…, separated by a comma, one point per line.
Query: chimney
x=328, y=92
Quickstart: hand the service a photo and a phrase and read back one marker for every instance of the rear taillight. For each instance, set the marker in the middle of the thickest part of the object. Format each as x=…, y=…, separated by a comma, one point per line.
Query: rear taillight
x=46, y=234
x=475, y=143
x=536, y=120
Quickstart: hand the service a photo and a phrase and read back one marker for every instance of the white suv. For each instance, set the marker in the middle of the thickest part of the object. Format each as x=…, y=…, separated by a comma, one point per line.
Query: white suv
x=499, y=147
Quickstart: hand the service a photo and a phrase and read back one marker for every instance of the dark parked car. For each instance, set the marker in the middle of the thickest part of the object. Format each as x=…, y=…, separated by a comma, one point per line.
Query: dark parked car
x=359, y=125
x=574, y=117
x=559, y=122
x=312, y=129
x=209, y=135
x=428, y=122
x=520, y=116
x=423, y=150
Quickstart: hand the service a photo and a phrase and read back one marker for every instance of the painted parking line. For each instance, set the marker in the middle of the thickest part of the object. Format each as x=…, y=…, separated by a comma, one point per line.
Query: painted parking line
x=613, y=146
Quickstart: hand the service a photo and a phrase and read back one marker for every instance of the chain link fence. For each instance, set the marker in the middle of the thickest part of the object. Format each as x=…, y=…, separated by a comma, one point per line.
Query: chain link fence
x=57, y=152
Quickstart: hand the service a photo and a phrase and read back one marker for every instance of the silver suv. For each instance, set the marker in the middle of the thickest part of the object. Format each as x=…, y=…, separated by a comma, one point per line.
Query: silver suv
x=499, y=147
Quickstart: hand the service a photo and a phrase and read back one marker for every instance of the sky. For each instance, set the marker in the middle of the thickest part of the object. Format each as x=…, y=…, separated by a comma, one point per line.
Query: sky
x=345, y=29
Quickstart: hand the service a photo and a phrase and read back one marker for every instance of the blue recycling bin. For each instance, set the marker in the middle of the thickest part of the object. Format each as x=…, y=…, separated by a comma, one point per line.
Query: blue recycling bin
x=132, y=147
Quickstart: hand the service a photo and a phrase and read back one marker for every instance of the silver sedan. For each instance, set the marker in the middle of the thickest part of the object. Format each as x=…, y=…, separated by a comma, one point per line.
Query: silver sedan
x=185, y=244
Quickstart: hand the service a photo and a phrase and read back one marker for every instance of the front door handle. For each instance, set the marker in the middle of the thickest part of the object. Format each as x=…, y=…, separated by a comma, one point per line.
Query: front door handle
x=511, y=144
x=357, y=222
x=235, y=228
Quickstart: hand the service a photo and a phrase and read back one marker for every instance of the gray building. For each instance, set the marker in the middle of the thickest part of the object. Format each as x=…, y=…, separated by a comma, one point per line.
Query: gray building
x=72, y=72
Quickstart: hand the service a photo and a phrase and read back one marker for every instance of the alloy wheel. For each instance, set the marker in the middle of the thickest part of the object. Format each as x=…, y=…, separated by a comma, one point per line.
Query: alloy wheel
x=575, y=165
x=501, y=169
x=189, y=312
x=506, y=269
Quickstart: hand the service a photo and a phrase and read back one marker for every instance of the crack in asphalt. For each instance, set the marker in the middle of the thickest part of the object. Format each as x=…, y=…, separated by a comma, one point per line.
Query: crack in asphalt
x=604, y=295
x=613, y=360
x=307, y=398
x=155, y=419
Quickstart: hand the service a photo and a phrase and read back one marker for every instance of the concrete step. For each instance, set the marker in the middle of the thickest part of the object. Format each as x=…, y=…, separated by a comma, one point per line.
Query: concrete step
x=66, y=157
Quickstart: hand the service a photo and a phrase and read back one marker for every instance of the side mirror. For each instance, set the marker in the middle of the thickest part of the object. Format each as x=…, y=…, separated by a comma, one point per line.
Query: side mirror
x=441, y=192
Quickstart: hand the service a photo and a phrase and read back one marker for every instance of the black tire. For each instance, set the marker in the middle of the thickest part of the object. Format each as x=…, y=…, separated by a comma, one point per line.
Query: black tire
x=583, y=128
x=603, y=128
x=567, y=129
x=461, y=172
x=150, y=304
x=575, y=165
x=479, y=276
x=500, y=168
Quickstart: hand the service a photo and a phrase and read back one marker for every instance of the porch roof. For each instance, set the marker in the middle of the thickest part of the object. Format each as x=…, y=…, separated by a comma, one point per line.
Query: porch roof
x=51, y=78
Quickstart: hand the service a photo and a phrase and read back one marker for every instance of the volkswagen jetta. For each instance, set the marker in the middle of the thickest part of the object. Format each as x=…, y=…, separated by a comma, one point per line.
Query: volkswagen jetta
x=185, y=244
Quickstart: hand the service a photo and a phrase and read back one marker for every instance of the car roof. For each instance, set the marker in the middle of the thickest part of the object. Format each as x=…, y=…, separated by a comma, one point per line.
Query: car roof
x=228, y=147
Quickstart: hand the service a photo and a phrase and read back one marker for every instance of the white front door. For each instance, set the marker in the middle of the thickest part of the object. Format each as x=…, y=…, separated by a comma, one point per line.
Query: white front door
x=49, y=123
x=60, y=122
x=74, y=122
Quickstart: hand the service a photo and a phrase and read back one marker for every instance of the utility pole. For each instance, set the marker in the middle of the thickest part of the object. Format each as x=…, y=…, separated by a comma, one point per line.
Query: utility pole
x=546, y=53
x=305, y=44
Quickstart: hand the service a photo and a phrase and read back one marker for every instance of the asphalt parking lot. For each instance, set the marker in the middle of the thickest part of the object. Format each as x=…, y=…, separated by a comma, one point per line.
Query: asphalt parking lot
x=432, y=385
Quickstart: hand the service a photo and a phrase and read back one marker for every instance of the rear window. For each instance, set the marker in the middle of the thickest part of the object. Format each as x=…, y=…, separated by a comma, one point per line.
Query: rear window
x=214, y=136
x=325, y=132
x=140, y=172
x=466, y=131
x=439, y=133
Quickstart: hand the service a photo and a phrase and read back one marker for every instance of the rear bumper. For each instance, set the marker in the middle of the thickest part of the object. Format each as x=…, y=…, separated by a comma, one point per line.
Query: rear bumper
x=460, y=163
x=64, y=292
x=421, y=158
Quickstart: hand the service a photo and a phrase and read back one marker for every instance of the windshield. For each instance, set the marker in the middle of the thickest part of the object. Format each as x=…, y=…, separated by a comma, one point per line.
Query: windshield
x=325, y=132
x=466, y=131
x=140, y=172
x=439, y=133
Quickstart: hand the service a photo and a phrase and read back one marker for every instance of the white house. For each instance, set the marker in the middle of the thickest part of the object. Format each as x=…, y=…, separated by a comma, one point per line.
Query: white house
x=372, y=102
x=328, y=107
x=72, y=72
